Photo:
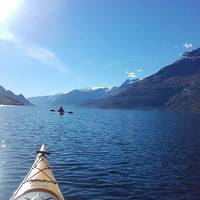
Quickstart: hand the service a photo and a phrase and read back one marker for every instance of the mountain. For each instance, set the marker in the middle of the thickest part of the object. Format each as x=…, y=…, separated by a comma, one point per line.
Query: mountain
x=175, y=87
x=42, y=100
x=9, y=98
x=116, y=90
x=128, y=83
x=75, y=97
x=78, y=97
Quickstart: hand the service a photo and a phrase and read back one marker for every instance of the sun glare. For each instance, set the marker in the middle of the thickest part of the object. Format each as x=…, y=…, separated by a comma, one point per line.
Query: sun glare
x=7, y=9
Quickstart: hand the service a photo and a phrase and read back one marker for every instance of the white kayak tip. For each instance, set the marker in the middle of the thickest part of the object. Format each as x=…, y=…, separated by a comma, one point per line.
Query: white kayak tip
x=43, y=147
x=42, y=150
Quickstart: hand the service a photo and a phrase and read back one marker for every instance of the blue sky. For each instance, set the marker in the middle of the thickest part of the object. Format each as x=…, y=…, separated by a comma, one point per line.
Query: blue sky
x=48, y=47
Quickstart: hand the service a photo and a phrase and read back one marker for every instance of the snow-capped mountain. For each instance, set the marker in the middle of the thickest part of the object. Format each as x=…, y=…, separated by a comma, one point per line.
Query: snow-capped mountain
x=174, y=87
x=74, y=97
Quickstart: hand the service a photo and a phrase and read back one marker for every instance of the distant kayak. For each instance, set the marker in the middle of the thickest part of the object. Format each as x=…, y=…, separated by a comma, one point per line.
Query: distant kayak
x=70, y=112
x=61, y=110
x=52, y=110
x=39, y=183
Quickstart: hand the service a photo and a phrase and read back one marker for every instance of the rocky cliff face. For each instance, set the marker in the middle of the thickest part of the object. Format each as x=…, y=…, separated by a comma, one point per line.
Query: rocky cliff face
x=9, y=98
x=175, y=87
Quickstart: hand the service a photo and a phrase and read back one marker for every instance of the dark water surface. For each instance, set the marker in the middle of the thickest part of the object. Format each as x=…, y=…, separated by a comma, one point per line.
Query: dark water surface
x=104, y=154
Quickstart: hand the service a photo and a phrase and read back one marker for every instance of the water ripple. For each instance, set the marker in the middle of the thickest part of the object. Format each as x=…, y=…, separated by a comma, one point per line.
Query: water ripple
x=104, y=154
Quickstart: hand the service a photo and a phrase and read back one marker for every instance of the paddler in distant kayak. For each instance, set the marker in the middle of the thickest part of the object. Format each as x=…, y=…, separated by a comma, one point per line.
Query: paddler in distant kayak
x=61, y=110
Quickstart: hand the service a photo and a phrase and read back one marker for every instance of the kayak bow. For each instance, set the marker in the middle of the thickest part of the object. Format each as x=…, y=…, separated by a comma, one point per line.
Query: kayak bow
x=39, y=183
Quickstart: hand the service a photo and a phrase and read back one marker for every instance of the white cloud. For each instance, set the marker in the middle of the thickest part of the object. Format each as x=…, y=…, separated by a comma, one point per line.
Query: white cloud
x=131, y=74
x=139, y=70
x=188, y=45
x=44, y=56
x=41, y=54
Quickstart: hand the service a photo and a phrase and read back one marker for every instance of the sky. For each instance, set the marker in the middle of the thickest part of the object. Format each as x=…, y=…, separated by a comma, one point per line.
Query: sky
x=54, y=46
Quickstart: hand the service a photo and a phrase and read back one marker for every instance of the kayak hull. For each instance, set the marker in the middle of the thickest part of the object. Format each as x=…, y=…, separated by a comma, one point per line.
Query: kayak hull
x=40, y=182
x=61, y=113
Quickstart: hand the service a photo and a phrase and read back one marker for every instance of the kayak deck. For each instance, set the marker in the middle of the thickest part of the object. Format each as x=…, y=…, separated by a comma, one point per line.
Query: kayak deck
x=39, y=183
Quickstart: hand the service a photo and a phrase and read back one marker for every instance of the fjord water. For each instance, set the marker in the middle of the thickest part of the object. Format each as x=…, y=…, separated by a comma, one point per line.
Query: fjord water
x=101, y=154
